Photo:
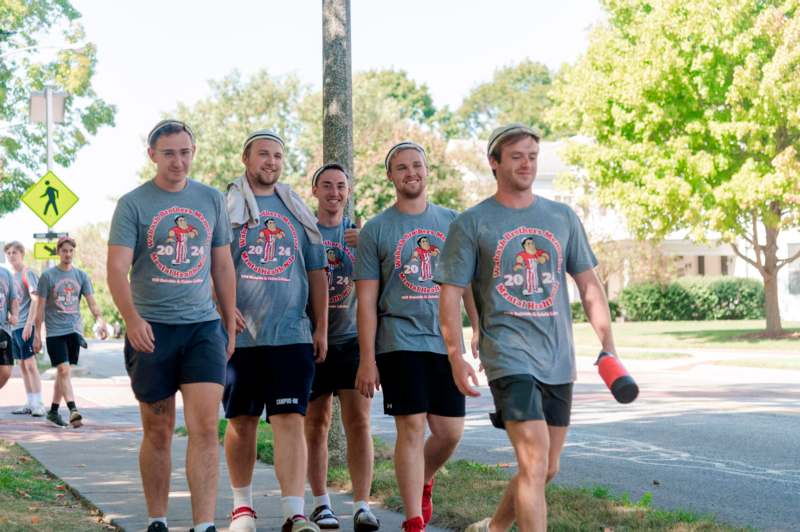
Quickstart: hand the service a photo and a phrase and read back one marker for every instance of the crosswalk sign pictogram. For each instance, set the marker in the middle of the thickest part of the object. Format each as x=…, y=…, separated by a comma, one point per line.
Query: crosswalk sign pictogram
x=49, y=198
x=45, y=250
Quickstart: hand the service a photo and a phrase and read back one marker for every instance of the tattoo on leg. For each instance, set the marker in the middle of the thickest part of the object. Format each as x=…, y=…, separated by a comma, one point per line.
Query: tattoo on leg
x=159, y=407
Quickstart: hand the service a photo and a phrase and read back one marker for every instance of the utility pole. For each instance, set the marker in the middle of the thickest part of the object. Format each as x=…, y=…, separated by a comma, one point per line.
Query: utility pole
x=337, y=140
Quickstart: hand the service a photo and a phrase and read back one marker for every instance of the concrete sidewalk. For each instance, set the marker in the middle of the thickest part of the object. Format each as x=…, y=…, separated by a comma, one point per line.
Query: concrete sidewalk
x=100, y=461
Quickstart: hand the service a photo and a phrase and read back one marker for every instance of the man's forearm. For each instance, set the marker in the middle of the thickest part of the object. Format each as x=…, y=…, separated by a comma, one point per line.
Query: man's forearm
x=596, y=307
x=318, y=287
x=224, y=281
x=367, y=323
x=120, y=290
x=471, y=308
x=450, y=318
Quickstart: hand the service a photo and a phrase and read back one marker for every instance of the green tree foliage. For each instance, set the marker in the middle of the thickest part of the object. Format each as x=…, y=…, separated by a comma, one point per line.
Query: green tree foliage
x=693, y=112
x=90, y=256
x=29, y=29
x=235, y=108
x=516, y=93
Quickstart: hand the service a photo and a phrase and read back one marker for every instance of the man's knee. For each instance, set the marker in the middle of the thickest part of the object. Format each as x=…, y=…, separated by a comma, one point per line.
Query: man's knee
x=552, y=471
x=290, y=422
x=410, y=429
x=159, y=436
x=63, y=370
x=243, y=427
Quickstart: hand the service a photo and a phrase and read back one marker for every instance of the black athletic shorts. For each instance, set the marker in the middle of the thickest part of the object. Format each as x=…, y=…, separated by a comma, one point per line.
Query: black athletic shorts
x=184, y=354
x=417, y=382
x=22, y=349
x=523, y=398
x=275, y=377
x=6, y=358
x=65, y=348
x=338, y=372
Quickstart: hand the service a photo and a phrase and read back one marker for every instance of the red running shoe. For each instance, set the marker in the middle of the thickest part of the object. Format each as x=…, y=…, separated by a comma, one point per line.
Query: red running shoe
x=415, y=524
x=427, y=501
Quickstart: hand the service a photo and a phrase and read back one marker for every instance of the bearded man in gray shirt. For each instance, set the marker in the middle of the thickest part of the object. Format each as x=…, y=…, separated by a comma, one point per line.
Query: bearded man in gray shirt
x=515, y=249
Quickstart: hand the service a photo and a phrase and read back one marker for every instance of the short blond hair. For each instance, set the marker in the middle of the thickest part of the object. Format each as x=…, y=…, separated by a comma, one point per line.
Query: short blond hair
x=14, y=244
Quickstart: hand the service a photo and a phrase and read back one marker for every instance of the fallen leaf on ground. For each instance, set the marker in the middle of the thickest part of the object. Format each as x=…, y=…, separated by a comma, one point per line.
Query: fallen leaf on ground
x=34, y=519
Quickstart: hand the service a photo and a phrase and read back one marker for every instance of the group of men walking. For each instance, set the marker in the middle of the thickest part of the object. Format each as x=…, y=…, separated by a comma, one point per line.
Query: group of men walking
x=252, y=300
x=50, y=303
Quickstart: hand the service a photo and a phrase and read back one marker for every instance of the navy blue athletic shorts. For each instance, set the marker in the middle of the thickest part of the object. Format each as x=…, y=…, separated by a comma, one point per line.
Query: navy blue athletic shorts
x=22, y=349
x=416, y=382
x=275, y=377
x=338, y=371
x=184, y=354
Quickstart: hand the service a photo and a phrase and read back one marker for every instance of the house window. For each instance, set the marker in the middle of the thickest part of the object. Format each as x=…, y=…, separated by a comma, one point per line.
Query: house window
x=723, y=265
x=701, y=265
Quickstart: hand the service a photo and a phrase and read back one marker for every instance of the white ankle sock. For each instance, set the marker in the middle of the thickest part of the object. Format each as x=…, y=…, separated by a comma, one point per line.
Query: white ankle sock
x=358, y=505
x=243, y=496
x=292, y=506
x=38, y=398
x=322, y=499
x=202, y=527
x=31, y=399
x=154, y=519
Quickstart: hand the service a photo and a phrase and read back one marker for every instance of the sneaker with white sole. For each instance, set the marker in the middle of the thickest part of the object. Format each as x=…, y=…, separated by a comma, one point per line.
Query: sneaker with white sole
x=24, y=410
x=324, y=518
x=38, y=411
x=480, y=526
x=75, y=419
x=365, y=521
x=56, y=419
x=243, y=519
x=299, y=523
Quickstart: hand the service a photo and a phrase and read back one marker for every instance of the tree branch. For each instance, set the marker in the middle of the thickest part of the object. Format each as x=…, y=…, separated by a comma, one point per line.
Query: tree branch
x=783, y=262
x=745, y=257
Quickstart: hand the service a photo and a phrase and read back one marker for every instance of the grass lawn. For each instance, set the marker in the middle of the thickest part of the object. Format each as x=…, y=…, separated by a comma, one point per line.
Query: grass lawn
x=32, y=499
x=730, y=334
x=467, y=491
x=634, y=355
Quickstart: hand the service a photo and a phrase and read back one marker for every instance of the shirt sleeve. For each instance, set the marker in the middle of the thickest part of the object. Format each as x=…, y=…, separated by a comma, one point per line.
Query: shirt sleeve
x=124, y=226
x=579, y=252
x=43, y=287
x=368, y=264
x=314, y=255
x=33, y=282
x=222, y=231
x=459, y=261
x=86, y=285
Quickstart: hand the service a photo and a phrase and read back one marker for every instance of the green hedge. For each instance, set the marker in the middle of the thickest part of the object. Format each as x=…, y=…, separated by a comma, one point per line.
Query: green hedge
x=694, y=298
x=579, y=315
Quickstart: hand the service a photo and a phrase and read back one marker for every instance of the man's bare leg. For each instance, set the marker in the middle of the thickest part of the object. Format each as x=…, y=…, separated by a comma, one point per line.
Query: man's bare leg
x=155, y=454
x=445, y=434
x=409, y=458
x=63, y=377
x=240, y=449
x=317, y=425
x=201, y=412
x=504, y=515
x=291, y=455
x=5, y=373
x=58, y=390
x=360, y=452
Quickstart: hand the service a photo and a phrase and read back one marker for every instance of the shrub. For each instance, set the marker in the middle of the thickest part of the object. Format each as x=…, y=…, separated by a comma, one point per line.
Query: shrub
x=579, y=315
x=694, y=298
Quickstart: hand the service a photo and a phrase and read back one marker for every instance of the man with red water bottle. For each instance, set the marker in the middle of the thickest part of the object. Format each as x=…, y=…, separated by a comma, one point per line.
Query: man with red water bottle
x=515, y=249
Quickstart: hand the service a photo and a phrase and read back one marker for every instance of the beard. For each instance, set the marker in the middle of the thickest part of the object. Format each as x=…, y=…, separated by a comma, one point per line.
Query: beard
x=262, y=178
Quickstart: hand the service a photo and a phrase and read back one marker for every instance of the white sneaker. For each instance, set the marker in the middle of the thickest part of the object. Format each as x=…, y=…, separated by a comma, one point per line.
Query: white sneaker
x=480, y=526
x=243, y=519
x=38, y=411
x=22, y=411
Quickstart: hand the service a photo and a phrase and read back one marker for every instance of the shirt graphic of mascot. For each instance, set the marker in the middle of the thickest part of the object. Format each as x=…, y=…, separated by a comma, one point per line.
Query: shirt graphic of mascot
x=180, y=234
x=334, y=263
x=424, y=254
x=269, y=236
x=529, y=259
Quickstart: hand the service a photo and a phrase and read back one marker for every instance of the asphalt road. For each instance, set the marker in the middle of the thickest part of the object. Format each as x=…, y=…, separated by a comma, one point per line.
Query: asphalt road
x=712, y=439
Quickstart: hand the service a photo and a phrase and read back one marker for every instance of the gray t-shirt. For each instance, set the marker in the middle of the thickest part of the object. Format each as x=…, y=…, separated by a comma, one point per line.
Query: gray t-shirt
x=340, y=261
x=402, y=252
x=172, y=234
x=272, y=261
x=8, y=293
x=61, y=292
x=24, y=293
x=517, y=261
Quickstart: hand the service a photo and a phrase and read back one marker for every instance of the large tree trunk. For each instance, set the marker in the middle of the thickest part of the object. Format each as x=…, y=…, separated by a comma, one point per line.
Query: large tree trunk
x=770, y=276
x=337, y=139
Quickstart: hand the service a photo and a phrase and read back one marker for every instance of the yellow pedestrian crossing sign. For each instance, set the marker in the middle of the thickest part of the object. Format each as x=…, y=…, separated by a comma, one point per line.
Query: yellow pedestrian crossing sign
x=49, y=198
x=45, y=250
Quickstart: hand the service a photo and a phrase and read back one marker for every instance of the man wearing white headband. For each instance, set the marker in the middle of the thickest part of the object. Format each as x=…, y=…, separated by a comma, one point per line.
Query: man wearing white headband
x=280, y=269
x=331, y=186
x=401, y=345
x=173, y=235
x=514, y=249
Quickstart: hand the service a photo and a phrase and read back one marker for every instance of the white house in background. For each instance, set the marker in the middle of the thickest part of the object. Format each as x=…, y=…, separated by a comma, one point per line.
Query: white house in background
x=691, y=258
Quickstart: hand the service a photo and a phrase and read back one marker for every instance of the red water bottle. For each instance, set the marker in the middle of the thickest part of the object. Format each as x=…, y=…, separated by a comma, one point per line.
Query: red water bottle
x=622, y=386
